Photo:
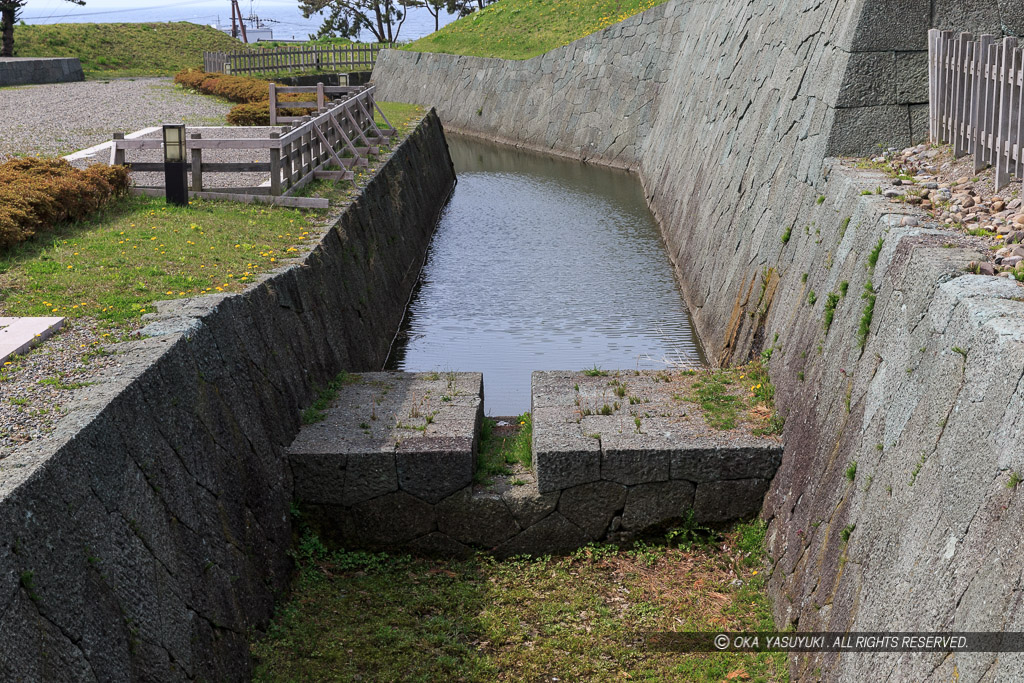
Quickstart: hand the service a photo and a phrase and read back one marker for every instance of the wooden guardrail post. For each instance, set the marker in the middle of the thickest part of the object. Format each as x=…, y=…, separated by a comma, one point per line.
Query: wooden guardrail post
x=275, y=166
x=273, y=104
x=197, y=165
x=116, y=153
x=320, y=99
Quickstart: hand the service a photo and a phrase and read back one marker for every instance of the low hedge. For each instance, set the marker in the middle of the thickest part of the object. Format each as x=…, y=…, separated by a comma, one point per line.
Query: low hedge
x=37, y=193
x=233, y=88
x=258, y=113
x=252, y=94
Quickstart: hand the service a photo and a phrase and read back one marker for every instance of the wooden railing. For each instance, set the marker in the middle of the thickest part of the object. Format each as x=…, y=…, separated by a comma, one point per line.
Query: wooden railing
x=321, y=91
x=341, y=136
x=976, y=99
x=353, y=57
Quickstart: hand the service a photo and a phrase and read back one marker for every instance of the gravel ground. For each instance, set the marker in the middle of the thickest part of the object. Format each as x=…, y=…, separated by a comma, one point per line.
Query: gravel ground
x=211, y=156
x=62, y=118
x=35, y=387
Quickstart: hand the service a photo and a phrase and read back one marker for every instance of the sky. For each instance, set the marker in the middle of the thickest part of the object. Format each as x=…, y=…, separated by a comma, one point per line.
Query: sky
x=282, y=16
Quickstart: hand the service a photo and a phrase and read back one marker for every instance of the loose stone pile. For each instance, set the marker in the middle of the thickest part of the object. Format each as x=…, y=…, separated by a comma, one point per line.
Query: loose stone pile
x=949, y=189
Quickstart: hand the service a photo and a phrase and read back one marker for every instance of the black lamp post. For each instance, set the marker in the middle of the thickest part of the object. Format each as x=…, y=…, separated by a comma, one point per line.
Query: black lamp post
x=175, y=169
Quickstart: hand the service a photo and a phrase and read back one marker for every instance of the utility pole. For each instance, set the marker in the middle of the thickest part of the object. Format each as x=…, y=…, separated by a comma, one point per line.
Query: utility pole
x=237, y=12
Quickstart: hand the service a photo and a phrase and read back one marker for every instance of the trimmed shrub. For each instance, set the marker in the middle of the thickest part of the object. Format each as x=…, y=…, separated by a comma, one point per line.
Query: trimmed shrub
x=37, y=193
x=252, y=94
x=232, y=88
x=252, y=114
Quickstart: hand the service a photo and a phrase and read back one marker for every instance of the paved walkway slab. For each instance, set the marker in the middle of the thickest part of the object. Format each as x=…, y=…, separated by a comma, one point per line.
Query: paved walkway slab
x=18, y=335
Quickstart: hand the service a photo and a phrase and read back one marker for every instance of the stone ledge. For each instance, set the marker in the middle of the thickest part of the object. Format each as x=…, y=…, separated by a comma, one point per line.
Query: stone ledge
x=37, y=70
x=598, y=477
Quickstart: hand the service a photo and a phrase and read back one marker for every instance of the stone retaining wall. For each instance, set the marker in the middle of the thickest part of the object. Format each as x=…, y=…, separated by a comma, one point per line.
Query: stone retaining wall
x=31, y=70
x=731, y=118
x=149, y=535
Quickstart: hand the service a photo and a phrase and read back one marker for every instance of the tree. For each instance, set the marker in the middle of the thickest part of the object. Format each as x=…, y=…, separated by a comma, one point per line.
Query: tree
x=466, y=7
x=346, y=18
x=9, y=11
x=434, y=7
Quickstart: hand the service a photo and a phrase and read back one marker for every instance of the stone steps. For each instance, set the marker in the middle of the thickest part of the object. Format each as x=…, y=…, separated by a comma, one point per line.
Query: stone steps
x=391, y=465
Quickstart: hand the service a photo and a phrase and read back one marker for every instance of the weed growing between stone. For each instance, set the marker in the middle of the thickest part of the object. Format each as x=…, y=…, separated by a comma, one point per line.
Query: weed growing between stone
x=380, y=617
x=317, y=410
x=502, y=448
x=741, y=394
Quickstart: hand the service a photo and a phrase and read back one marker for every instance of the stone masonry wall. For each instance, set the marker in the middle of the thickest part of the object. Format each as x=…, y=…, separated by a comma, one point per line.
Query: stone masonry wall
x=27, y=71
x=730, y=113
x=148, y=536
x=391, y=465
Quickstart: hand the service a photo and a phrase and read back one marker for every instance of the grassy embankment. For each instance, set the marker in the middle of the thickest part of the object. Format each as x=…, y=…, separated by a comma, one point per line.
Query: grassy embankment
x=520, y=29
x=114, y=265
x=118, y=50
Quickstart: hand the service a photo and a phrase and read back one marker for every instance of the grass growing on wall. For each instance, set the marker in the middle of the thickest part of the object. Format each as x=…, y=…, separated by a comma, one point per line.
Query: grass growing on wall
x=377, y=617
x=520, y=29
x=117, y=50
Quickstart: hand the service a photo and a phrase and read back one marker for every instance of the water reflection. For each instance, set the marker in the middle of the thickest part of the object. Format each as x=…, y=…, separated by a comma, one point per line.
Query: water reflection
x=542, y=264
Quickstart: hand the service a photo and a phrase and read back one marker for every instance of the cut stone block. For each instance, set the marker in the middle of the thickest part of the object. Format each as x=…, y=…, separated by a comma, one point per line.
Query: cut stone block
x=725, y=501
x=394, y=519
x=563, y=459
x=553, y=534
x=18, y=335
x=592, y=506
x=389, y=431
x=479, y=519
x=318, y=477
x=435, y=468
x=635, y=458
x=740, y=461
x=526, y=503
x=650, y=505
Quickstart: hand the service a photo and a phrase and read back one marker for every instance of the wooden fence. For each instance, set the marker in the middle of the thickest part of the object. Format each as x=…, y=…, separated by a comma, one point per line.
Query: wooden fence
x=353, y=57
x=976, y=99
x=342, y=135
x=322, y=93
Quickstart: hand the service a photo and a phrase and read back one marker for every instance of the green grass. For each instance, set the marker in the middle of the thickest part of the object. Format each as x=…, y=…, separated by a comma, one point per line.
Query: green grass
x=520, y=29
x=496, y=454
x=401, y=115
x=377, y=617
x=317, y=411
x=831, y=302
x=731, y=395
x=118, y=50
x=116, y=264
x=864, y=328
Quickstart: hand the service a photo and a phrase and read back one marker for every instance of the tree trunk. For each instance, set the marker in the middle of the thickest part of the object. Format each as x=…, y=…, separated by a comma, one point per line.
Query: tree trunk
x=7, y=24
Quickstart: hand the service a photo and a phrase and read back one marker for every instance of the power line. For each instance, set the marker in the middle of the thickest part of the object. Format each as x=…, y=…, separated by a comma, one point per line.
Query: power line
x=120, y=11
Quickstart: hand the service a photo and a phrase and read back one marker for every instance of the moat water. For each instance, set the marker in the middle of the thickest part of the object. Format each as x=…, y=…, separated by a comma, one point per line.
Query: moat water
x=540, y=263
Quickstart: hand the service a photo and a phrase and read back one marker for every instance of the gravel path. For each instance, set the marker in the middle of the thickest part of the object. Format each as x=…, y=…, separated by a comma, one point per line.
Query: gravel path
x=62, y=118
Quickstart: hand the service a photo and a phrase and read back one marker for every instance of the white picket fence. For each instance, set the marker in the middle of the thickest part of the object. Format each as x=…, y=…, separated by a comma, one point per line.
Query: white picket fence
x=976, y=88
